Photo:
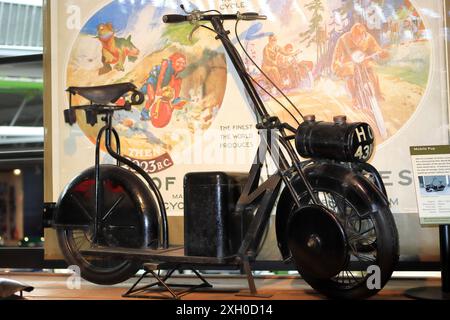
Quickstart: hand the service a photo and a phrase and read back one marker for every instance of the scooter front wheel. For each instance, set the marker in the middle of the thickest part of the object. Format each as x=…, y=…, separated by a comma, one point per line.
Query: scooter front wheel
x=127, y=219
x=346, y=245
x=368, y=253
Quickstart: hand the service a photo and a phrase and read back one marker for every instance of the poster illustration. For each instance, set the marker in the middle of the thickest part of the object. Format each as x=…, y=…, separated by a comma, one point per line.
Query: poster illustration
x=184, y=81
x=345, y=57
x=377, y=61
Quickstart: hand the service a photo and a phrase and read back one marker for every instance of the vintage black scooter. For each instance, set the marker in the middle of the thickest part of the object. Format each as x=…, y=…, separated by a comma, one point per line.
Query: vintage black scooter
x=332, y=213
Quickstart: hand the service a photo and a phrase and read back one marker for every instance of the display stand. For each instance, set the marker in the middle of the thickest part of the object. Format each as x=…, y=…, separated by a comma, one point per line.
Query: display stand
x=154, y=270
x=443, y=292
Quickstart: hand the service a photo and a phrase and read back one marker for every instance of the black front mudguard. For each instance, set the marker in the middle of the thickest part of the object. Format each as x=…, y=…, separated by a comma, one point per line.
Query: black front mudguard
x=375, y=175
x=351, y=184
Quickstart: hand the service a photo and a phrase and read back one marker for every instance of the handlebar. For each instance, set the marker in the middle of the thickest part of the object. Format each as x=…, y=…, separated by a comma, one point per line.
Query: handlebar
x=200, y=16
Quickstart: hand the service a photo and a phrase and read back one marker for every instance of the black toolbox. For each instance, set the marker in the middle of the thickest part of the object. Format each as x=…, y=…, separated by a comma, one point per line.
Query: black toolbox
x=209, y=203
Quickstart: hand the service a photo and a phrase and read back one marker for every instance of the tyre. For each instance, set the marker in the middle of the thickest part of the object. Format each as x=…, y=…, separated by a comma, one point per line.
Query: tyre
x=372, y=242
x=128, y=219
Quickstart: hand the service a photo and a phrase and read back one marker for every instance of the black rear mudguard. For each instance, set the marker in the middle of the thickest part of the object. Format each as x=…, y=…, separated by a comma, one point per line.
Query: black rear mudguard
x=335, y=177
x=69, y=214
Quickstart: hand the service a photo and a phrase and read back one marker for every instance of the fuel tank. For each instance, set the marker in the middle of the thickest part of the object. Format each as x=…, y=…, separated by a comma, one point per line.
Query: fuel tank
x=338, y=140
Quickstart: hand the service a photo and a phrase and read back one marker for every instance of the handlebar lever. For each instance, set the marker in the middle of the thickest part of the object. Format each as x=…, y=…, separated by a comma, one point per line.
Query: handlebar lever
x=191, y=34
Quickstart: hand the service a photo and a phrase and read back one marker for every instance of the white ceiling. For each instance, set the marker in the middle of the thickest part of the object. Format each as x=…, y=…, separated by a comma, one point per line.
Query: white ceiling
x=26, y=2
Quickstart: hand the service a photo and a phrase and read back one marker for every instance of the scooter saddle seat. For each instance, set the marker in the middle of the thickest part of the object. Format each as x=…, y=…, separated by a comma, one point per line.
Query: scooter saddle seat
x=103, y=94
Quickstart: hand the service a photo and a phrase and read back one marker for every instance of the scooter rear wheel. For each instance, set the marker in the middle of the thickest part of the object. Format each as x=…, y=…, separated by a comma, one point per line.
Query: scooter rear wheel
x=123, y=222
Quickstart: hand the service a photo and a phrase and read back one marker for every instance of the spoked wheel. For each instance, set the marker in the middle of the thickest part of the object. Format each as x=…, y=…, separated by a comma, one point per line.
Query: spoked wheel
x=99, y=270
x=127, y=219
x=357, y=260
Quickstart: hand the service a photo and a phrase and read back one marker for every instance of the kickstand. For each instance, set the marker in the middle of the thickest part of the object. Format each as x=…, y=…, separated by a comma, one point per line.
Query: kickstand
x=150, y=268
x=253, y=292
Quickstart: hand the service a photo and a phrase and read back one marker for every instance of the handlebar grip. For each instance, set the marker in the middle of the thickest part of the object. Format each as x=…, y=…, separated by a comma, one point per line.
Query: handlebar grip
x=252, y=16
x=175, y=18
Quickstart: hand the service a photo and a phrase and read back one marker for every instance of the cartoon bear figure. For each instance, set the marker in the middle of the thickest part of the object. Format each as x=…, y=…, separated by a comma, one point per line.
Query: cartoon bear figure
x=115, y=50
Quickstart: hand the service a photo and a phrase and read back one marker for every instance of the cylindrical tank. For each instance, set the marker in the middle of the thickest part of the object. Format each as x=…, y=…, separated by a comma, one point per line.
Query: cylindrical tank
x=338, y=140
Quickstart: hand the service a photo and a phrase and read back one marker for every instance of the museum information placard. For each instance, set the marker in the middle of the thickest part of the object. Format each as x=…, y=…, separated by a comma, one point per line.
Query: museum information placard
x=431, y=167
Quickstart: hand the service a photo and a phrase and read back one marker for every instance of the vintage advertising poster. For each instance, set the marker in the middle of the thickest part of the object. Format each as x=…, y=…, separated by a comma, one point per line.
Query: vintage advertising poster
x=378, y=61
x=189, y=120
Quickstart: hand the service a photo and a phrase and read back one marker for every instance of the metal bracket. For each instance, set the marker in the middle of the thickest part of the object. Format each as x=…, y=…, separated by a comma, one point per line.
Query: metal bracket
x=253, y=292
x=70, y=116
x=48, y=214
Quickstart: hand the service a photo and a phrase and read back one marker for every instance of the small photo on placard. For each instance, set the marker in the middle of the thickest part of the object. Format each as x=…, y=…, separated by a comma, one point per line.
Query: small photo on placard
x=434, y=185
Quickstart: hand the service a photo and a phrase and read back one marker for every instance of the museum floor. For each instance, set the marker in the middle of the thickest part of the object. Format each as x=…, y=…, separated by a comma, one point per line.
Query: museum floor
x=51, y=286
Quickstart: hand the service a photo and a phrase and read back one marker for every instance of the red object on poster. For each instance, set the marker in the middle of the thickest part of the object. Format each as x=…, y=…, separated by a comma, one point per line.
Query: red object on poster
x=161, y=113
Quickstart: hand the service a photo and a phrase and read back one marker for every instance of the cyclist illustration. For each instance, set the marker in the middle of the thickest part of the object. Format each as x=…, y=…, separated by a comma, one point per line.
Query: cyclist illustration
x=295, y=73
x=164, y=81
x=354, y=60
x=269, y=63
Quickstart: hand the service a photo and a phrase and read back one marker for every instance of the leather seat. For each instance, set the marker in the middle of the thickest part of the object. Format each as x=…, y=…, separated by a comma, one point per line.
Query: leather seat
x=103, y=94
